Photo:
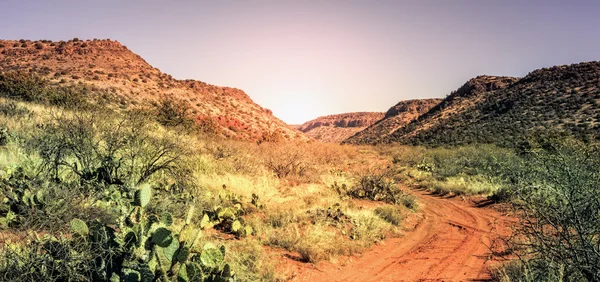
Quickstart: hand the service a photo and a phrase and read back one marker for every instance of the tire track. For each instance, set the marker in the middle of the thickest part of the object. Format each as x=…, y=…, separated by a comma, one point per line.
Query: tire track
x=450, y=244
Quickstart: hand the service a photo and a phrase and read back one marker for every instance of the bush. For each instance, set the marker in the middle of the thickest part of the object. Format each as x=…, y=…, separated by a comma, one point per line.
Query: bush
x=173, y=112
x=4, y=136
x=22, y=86
x=285, y=160
x=390, y=214
x=557, y=194
x=11, y=109
x=32, y=202
x=143, y=248
x=107, y=149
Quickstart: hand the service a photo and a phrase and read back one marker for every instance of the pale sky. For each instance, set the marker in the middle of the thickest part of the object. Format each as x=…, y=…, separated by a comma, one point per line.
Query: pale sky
x=304, y=59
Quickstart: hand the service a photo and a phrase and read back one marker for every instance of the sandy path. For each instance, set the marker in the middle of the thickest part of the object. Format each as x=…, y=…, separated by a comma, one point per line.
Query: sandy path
x=450, y=244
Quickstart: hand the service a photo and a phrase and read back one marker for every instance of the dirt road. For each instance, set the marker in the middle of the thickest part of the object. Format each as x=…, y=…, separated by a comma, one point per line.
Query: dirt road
x=449, y=244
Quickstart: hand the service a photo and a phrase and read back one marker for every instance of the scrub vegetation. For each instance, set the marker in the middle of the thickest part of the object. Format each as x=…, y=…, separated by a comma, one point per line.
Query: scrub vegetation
x=95, y=192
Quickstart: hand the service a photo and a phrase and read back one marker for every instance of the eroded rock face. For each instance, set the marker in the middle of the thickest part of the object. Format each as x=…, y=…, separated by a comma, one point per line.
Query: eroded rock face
x=335, y=128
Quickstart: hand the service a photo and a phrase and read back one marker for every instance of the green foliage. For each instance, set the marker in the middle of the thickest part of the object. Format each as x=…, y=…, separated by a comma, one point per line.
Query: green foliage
x=79, y=227
x=47, y=259
x=375, y=186
x=27, y=87
x=101, y=148
x=143, y=195
x=33, y=88
x=173, y=112
x=144, y=247
x=390, y=214
x=556, y=192
x=378, y=186
x=11, y=109
x=28, y=201
x=4, y=136
x=228, y=216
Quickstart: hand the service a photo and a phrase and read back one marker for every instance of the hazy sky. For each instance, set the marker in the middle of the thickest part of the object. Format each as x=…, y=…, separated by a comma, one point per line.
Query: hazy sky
x=304, y=59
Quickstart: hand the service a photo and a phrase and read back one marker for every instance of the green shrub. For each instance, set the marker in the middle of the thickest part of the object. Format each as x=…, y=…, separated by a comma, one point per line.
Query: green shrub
x=174, y=112
x=4, y=136
x=390, y=214
x=33, y=202
x=11, y=109
x=108, y=149
x=142, y=248
x=558, y=196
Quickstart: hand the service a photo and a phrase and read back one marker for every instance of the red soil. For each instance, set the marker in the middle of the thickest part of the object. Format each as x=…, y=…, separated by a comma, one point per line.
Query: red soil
x=451, y=243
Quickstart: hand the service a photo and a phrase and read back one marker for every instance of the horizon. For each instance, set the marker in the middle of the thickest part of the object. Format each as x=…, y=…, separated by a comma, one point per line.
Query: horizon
x=310, y=59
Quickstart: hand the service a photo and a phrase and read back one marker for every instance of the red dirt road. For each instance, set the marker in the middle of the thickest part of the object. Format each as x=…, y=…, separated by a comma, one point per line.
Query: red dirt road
x=451, y=243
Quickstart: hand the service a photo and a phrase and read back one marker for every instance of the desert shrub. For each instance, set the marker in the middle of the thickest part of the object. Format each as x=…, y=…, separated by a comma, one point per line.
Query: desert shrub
x=557, y=194
x=31, y=202
x=484, y=160
x=376, y=186
x=11, y=109
x=4, y=136
x=208, y=126
x=529, y=271
x=466, y=170
x=250, y=261
x=144, y=247
x=390, y=214
x=109, y=149
x=464, y=185
x=173, y=112
x=47, y=259
x=284, y=159
x=22, y=86
x=33, y=88
x=367, y=227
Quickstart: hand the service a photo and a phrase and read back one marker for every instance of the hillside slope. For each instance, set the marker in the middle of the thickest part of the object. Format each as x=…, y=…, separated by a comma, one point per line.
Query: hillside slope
x=108, y=65
x=503, y=110
x=396, y=117
x=336, y=128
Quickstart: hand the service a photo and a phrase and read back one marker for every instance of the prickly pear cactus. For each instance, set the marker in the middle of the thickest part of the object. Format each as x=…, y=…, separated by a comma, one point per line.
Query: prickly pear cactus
x=143, y=195
x=79, y=227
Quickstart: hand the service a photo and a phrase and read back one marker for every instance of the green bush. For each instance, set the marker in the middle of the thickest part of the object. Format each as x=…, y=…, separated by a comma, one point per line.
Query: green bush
x=143, y=247
x=31, y=202
x=108, y=149
x=11, y=109
x=174, y=112
x=558, y=196
x=390, y=214
x=4, y=136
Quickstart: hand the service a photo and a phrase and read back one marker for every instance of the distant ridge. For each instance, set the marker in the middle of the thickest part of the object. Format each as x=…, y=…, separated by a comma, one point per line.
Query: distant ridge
x=504, y=110
x=396, y=117
x=335, y=128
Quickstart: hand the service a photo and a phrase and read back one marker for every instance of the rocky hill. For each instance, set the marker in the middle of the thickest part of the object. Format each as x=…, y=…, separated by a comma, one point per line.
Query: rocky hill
x=109, y=66
x=336, y=128
x=504, y=110
x=396, y=117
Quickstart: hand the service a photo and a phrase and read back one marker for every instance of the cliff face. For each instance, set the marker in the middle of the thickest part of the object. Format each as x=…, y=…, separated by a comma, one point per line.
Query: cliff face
x=335, y=128
x=109, y=65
